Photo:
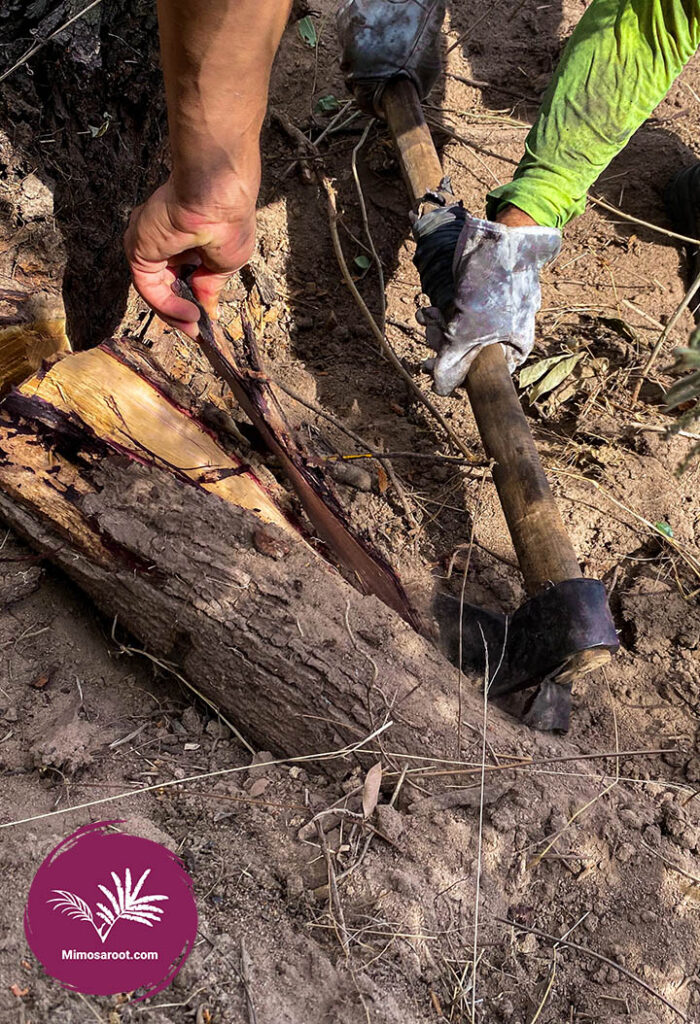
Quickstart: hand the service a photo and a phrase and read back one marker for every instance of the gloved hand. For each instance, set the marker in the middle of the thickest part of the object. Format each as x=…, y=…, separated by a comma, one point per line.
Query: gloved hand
x=483, y=281
x=385, y=39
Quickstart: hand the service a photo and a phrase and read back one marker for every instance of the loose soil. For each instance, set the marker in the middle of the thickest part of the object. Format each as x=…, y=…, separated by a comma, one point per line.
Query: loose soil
x=83, y=715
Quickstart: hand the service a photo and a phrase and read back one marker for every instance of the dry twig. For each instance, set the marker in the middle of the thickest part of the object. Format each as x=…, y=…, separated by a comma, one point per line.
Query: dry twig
x=52, y=35
x=587, y=951
x=653, y=355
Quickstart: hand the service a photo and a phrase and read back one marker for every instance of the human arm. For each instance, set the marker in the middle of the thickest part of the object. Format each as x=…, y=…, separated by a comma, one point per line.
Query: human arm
x=616, y=68
x=216, y=56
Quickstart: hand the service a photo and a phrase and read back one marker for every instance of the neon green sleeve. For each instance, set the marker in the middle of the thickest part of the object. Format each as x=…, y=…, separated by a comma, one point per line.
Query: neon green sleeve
x=617, y=66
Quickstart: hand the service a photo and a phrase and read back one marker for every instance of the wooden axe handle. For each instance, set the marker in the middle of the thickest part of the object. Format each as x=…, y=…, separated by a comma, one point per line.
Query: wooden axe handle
x=545, y=552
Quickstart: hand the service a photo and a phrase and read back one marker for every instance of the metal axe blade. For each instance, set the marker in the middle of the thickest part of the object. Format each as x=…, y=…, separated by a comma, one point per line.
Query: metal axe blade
x=556, y=636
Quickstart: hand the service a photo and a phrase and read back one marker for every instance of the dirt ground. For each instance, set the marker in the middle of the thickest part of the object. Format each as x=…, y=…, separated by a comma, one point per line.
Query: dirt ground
x=84, y=716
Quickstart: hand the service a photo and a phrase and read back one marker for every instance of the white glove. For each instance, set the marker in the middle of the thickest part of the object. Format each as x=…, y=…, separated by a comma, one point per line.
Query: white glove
x=483, y=280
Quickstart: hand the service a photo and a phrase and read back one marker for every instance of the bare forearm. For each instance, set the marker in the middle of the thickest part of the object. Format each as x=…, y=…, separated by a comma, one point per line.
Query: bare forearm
x=217, y=56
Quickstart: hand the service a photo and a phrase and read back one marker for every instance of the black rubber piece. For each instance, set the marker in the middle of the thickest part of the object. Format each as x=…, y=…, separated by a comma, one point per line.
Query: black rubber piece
x=529, y=646
x=436, y=234
x=682, y=201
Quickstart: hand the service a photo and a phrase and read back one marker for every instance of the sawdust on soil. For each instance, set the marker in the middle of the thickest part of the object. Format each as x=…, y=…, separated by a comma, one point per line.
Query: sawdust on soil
x=82, y=717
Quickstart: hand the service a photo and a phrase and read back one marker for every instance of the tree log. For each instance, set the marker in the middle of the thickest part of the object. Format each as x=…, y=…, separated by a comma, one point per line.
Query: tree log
x=137, y=502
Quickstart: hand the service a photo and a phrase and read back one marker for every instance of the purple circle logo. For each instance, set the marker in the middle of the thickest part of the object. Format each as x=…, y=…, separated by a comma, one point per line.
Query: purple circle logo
x=109, y=912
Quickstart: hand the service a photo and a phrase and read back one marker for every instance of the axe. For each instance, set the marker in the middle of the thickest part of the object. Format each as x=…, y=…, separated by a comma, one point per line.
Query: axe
x=391, y=56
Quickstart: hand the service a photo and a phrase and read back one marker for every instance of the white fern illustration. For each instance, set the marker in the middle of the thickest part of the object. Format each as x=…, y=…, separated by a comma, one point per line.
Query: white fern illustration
x=125, y=904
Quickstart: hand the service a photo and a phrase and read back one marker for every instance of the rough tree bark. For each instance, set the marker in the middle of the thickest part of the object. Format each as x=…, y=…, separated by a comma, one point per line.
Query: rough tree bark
x=134, y=499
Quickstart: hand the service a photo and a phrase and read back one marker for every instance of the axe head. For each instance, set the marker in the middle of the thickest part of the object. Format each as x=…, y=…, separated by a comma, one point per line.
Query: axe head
x=558, y=635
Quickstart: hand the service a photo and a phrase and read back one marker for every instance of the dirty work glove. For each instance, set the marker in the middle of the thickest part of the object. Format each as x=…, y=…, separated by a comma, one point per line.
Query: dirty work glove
x=385, y=39
x=483, y=282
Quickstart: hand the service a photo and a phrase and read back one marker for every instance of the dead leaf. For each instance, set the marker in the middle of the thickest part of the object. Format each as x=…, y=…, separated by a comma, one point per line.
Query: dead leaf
x=370, y=790
x=534, y=371
x=40, y=682
x=17, y=991
x=382, y=480
x=556, y=376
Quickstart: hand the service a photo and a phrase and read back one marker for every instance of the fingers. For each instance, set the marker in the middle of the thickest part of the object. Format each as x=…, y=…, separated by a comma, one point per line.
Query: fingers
x=222, y=260
x=162, y=237
x=154, y=283
x=207, y=286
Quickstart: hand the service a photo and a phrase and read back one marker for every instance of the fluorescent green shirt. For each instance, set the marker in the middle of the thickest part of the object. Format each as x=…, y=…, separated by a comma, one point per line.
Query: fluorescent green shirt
x=616, y=68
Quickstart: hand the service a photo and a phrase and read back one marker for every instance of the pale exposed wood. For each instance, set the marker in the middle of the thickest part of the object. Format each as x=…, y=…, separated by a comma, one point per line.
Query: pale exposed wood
x=129, y=413
x=23, y=347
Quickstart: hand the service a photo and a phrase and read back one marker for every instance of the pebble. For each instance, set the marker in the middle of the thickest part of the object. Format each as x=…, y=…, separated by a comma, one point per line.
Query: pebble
x=389, y=821
x=218, y=730
x=258, y=787
x=192, y=721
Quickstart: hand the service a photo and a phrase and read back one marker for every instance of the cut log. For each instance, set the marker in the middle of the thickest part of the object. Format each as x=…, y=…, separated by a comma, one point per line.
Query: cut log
x=137, y=502
x=213, y=581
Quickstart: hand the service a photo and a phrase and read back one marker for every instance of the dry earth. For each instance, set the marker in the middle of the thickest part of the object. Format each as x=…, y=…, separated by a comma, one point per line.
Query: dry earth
x=82, y=717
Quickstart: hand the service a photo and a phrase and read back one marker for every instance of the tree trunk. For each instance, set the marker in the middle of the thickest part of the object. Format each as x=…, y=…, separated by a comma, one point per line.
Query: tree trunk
x=138, y=503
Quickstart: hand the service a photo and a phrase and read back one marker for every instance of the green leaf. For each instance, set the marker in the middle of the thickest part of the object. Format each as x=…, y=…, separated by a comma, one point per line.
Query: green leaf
x=685, y=390
x=363, y=262
x=556, y=376
x=307, y=31
x=327, y=105
x=534, y=371
x=664, y=528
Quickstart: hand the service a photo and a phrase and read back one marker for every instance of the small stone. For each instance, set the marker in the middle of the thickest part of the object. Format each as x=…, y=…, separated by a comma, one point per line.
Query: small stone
x=295, y=886
x=217, y=730
x=258, y=787
x=648, y=916
x=191, y=721
x=389, y=822
x=351, y=476
x=625, y=852
x=11, y=715
x=263, y=757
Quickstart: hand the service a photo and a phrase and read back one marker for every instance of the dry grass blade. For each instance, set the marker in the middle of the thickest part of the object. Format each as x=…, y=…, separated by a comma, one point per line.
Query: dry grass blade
x=547, y=991
x=643, y=223
x=38, y=46
x=669, y=863
x=587, y=951
x=365, y=222
x=461, y=614
x=334, y=904
x=482, y=784
x=329, y=755
x=653, y=355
